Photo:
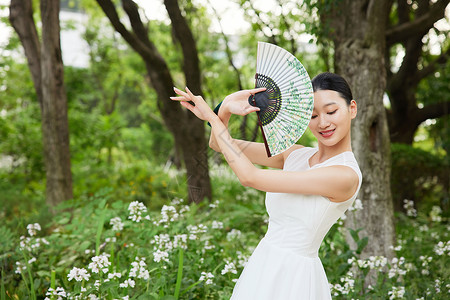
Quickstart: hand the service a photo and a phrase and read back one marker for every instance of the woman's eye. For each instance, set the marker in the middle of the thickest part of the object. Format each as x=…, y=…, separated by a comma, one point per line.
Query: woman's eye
x=313, y=117
x=332, y=112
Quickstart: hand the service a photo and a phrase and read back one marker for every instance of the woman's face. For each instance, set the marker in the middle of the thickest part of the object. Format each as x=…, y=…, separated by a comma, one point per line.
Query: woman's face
x=331, y=117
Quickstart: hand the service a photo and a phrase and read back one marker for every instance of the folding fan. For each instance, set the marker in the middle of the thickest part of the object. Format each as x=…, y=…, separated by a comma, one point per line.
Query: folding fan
x=287, y=103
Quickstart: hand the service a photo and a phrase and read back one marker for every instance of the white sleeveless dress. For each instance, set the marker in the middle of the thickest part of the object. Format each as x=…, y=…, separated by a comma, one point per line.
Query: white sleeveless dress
x=285, y=264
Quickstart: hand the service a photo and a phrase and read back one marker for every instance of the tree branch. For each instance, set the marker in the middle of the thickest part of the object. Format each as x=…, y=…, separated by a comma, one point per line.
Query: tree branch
x=110, y=11
x=433, y=111
x=431, y=67
x=404, y=31
x=21, y=18
x=191, y=64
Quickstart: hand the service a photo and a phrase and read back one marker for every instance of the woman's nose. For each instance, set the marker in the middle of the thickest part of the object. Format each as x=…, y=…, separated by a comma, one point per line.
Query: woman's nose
x=323, y=122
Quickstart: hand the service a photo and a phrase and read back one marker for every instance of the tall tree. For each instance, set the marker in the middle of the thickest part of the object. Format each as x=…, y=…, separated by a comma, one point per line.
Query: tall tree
x=188, y=131
x=46, y=66
x=409, y=27
x=359, y=41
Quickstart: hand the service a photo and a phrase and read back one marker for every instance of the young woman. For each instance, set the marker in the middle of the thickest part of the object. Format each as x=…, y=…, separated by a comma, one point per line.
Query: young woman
x=304, y=199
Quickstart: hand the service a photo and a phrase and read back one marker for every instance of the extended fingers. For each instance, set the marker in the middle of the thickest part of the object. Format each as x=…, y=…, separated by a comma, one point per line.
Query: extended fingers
x=257, y=90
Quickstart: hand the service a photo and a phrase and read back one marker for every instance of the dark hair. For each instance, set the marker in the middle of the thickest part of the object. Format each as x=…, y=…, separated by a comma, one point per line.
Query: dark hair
x=332, y=82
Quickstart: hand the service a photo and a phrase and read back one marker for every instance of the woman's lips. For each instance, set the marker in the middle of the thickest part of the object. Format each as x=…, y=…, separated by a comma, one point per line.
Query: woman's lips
x=327, y=133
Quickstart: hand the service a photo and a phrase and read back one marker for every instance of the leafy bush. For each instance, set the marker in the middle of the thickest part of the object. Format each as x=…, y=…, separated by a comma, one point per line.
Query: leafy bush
x=418, y=175
x=111, y=246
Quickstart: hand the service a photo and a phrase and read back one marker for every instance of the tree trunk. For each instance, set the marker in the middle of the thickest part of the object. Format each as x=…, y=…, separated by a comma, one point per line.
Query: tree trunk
x=188, y=131
x=359, y=58
x=45, y=63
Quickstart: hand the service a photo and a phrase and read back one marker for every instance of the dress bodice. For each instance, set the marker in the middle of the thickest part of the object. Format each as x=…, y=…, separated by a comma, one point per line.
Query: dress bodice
x=298, y=222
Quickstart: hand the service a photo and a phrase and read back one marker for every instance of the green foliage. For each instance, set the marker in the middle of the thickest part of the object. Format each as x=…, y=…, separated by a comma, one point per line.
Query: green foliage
x=418, y=175
x=176, y=243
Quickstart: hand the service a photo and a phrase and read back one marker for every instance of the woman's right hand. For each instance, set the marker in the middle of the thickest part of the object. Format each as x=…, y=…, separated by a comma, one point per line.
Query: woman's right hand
x=237, y=103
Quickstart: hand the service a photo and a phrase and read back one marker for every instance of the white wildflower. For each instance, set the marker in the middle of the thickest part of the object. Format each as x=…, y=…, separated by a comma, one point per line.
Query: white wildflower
x=159, y=255
x=215, y=204
x=58, y=292
x=32, y=260
x=100, y=262
x=423, y=228
x=357, y=205
x=229, y=268
x=92, y=297
x=398, y=248
x=180, y=240
x=114, y=275
x=396, y=267
x=138, y=269
x=136, y=209
x=20, y=267
x=127, y=283
x=435, y=214
x=78, y=274
x=442, y=248
x=207, y=277
x=32, y=228
x=116, y=223
x=216, y=225
x=208, y=246
x=409, y=208
x=168, y=214
x=396, y=293
x=234, y=234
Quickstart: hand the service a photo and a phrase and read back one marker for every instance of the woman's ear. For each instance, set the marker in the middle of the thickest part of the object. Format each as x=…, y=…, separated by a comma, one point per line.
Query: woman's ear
x=353, y=109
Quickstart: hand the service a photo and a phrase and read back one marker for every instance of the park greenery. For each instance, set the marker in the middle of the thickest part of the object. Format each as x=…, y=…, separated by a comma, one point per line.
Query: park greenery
x=130, y=231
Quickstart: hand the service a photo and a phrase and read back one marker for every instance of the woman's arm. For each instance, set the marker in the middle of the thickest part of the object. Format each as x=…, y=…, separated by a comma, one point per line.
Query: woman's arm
x=237, y=103
x=338, y=183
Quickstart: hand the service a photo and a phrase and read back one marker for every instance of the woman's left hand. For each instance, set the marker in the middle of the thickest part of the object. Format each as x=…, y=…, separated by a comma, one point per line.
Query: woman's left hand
x=201, y=108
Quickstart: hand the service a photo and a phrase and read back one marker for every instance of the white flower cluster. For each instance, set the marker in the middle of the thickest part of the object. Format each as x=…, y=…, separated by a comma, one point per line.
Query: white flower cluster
x=408, y=205
x=425, y=262
x=347, y=286
x=234, y=234
x=127, y=283
x=59, y=292
x=180, y=240
x=136, y=209
x=399, y=246
x=395, y=269
x=216, y=225
x=373, y=262
x=241, y=259
x=442, y=248
x=100, y=262
x=229, y=268
x=215, y=204
x=159, y=255
x=437, y=286
x=423, y=228
x=207, y=277
x=435, y=214
x=357, y=205
x=194, y=230
x=32, y=228
x=207, y=246
x=176, y=201
x=20, y=267
x=248, y=194
x=116, y=223
x=396, y=293
x=114, y=275
x=30, y=244
x=138, y=269
x=78, y=274
x=168, y=214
